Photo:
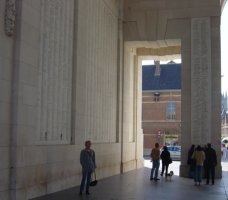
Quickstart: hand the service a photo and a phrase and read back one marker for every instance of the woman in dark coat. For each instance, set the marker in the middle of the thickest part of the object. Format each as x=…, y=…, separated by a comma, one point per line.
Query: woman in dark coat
x=191, y=162
x=166, y=160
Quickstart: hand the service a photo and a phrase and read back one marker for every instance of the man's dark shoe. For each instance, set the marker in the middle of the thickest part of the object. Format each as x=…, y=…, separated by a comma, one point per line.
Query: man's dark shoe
x=87, y=193
x=156, y=179
x=151, y=179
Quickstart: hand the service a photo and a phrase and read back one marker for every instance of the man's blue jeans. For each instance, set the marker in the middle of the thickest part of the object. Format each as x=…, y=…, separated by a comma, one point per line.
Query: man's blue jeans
x=198, y=173
x=155, y=168
x=86, y=177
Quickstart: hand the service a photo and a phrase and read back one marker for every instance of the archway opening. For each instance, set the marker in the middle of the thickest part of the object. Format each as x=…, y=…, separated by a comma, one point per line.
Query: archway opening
x=161, y=107
x=158, y=89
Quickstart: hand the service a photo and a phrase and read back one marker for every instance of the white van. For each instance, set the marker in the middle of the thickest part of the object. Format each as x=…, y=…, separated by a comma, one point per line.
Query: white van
x=224, y=140
x=175, y=152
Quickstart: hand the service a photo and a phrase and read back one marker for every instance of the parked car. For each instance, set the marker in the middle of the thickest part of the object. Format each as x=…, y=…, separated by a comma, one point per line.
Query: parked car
x=175, y=152
x=224, y=140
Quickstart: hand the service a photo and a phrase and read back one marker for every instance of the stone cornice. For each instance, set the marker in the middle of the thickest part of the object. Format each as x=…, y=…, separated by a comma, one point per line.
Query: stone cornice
x=163, y=51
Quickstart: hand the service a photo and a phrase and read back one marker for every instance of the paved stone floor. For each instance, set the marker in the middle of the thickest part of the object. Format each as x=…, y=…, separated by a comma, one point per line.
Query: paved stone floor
x=135, y=185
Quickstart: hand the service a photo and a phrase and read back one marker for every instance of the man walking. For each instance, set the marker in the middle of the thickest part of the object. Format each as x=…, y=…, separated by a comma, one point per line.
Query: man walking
x=155, y=157
x=210, y=163
x=87, y=160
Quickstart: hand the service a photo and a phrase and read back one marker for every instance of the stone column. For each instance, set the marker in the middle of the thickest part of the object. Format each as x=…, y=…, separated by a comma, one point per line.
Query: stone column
x=185, y=99
x=138, y=114
x=200, y=107
x=200, y=81
x=216, y=91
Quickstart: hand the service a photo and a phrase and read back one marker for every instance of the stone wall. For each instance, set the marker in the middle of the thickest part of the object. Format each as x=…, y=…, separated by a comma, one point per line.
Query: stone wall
x=96, y=73
x=6, y=73
x=60, y=85
x=70, y=58
x=160, y=24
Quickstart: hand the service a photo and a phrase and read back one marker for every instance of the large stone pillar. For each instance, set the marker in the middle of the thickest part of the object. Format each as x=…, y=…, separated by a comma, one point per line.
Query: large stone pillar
x=200, y=81
x=203, y=109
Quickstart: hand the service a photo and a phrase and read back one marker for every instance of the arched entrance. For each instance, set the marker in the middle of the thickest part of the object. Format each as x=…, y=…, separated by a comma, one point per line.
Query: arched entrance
x=200, y=52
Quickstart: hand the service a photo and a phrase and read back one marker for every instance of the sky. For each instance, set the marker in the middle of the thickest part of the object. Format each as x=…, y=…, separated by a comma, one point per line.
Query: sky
x=224, y=49
x=151, y=62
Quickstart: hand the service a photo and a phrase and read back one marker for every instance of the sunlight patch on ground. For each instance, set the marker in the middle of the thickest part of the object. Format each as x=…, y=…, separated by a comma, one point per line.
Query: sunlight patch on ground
x=175, y=166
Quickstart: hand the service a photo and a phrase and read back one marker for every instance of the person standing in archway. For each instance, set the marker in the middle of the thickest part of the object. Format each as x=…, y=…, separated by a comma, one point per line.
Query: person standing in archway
x=191, y=162
x=210, y=163
x=166, y=160
x=88, y=163
x=199, y=157
x=155, y=158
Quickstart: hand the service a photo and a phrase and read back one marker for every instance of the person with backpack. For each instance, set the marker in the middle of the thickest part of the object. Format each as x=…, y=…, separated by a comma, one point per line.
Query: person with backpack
x=166, y=160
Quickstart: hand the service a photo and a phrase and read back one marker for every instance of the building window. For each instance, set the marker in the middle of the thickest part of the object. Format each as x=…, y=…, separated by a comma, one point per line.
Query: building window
x=171, y=111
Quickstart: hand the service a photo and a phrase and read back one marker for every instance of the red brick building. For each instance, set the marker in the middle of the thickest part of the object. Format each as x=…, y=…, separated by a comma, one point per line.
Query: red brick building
x=161, y=105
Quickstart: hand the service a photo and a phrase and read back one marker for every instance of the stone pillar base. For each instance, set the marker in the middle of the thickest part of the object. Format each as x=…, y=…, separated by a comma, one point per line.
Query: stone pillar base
x=128, y=166
x=218, y=171
x=184, y=171
x=139, y=163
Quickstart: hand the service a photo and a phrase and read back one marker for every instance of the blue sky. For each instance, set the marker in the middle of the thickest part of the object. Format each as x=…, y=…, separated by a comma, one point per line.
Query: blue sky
x=151, y=62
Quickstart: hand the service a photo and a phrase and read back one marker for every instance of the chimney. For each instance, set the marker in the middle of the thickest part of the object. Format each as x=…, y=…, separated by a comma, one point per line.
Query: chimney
x=158, y=68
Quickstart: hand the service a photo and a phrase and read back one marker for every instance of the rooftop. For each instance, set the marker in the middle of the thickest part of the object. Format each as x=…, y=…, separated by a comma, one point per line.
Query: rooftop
x=169, y=79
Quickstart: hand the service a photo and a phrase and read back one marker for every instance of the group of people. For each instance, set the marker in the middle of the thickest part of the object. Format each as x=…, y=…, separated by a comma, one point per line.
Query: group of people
x=202, y=160
x=199, y=159
x=155, y=158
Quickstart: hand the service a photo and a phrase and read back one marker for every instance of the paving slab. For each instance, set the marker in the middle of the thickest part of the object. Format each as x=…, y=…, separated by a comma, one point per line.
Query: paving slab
x=135, y=185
